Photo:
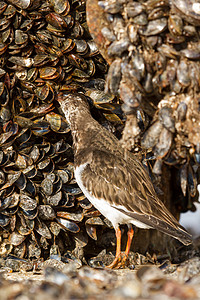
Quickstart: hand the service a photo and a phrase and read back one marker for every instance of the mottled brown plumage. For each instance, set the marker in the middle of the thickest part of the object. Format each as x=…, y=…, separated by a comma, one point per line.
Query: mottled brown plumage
x=104, y=170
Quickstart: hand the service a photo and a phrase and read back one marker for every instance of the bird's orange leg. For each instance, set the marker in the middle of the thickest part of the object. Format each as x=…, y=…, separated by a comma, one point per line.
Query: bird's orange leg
x=130, y=234
x=117, y=259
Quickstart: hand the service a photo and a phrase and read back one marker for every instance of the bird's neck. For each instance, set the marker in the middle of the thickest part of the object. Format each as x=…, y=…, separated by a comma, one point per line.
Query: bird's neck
x=82, y=129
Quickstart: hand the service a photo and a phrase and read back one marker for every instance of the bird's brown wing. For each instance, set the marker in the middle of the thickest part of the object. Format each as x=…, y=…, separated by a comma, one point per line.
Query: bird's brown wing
x=125, y=182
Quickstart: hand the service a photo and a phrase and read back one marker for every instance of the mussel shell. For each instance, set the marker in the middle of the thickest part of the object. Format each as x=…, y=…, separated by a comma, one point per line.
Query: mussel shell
x=57, y=123
x=68, y=45
x=134, y=8
x=27, y=203
x=193, y=54
x=21, y=161
x=188, y=10
x=47, y=186
x=68, y=225
x=91, y=231
x=14, y=199
x=16, y=238
x=182, y=111
x=49, y=150
x=151, y=136
x=5, y=202
x=175, y=25
x=61, y=6
x=23, y=122
x=21, y=61
x=76, y=216
x=13, y=222
x=2, y=177
x=166, y=118
x=55, y=252
x=35, y=153
x=183, y=178
x=192, y=181
x=6, y=139
x=30, y=214
x=23, y=230
x=118, y=47
x=154, y=27
x=72, y=189
x=30, y=188
x=40, y=60
x=157, y=168
x=20, y=37
x=16, y=178
x=21, y=182
x=4, y=96
x=4, y=220
x=47, y=72
x=164, y=143
x=44, y=243
x=197, y=157
x=55, y=228
x=20, y=250
x=93, y=212
x=113, y=79
x=23, y=4
x=30, y=171
x=81, y=239
x=5, y=248
x=64, y=175
x=68, y=257
x=55, y=199
x=40, y=128
x=57, y=185
x=46, y=165
x=46, y=212
x=3, y=158
x=10, y=211
x=23, y=136
x=95, y=221
x=85, y=203
x=42, y=229
x=61, y=147
x=34, y=250
x=67, y=200
x=3, y=6
x=182, y=73
x=26, y=222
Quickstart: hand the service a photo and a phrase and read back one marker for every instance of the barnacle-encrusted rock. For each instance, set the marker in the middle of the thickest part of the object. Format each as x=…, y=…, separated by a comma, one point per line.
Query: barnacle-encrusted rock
x=153, y=49
x=45, y=47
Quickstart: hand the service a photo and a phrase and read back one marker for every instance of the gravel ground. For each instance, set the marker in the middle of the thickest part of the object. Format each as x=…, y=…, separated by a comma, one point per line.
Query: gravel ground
x=54, y=279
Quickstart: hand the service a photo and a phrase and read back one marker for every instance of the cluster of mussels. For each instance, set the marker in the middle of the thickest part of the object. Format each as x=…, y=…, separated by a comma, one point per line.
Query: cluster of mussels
x=153, y=48
x=45, y=47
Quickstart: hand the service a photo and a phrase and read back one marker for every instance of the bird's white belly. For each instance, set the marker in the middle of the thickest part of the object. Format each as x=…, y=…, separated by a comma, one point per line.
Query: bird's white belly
x=110, y=212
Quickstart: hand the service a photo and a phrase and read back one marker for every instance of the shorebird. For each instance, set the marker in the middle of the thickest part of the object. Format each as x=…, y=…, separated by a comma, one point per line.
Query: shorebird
x=113, y=180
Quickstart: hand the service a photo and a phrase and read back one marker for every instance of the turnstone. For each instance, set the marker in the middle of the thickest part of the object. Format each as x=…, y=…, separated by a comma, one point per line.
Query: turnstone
x=113, y=180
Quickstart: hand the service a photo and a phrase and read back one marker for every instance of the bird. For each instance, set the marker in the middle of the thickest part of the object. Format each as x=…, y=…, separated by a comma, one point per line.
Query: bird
x=113, y=179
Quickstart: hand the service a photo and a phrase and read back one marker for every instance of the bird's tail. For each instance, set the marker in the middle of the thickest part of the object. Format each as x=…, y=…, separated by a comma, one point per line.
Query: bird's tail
x=178, y=233
x=170, y=227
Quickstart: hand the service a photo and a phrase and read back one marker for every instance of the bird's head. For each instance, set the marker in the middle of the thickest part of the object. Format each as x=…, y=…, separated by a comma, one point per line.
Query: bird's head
x=72, y=104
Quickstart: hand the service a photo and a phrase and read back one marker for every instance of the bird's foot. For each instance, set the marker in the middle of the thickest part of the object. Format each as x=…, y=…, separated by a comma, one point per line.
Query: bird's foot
x=124, y=261
x=120, y=261
x=116, y=263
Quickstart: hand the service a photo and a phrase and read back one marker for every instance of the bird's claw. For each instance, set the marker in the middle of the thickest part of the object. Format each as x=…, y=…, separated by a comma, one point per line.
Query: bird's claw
x=115, y=263
x=120, y=261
